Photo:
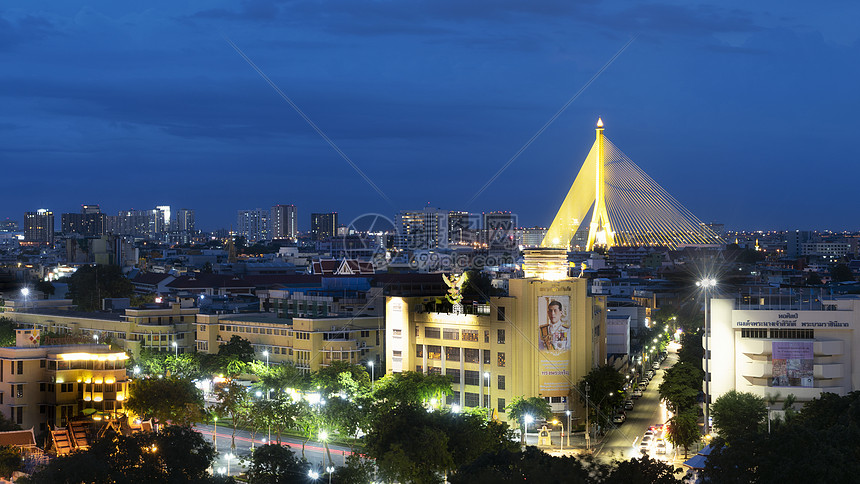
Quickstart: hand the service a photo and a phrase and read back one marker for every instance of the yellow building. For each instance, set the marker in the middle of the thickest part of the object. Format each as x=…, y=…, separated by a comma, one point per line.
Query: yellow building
x=155, y=327
x=308, y=343
x=47, y=385
x=540, y=340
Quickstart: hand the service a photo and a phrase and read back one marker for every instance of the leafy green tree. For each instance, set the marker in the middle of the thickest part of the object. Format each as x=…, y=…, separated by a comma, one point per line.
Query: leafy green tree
x=177, y=454
x=90, y=284
x=519, y=407
x=7, y=331
x=411, y=387
x=11, y=460
x=683, y=430
x=235, y=355
x=357, y=470
x=233, y=401
x=170, y=399
x=681, y=386
x=691, y=351
x=507, y=466
x=841, y=273
x=643, y=470
x=274, y=378
x=276, y=464
x=737, y=414
x=605, y=391
x=45, y=287
x=342, y=377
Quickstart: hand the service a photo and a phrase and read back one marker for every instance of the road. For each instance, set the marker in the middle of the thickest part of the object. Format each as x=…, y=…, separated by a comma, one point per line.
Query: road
x=622, y=442
x=315, y=452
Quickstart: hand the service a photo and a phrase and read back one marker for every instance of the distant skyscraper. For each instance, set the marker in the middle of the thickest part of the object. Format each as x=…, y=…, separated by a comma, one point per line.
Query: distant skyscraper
x=165, y=217
x=138, y=223
x=463, y=228
x=182, y=230
x=90, y=209
x=284, y=222
x=533, y=237
x=8, y=225
x=500, y=230
x=254, y=225
x=323, y=225
x=425, y=229
x=39, y=227
x=89, y=223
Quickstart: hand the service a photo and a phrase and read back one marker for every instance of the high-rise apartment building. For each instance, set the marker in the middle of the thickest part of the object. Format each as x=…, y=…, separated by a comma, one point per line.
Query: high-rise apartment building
x=89, y=223
x=8, y=225
x=424, y=229
x=39, y=227
x=323, y=225
x=138, y=223
x=284, y=222
x=254, y=225
x=182, y=229
x=463, y=228
x=500, y=230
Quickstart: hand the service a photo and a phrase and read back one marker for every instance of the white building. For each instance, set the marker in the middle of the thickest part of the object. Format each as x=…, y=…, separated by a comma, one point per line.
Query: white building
x=254, y=225
x=422, y=229
x=799, y=349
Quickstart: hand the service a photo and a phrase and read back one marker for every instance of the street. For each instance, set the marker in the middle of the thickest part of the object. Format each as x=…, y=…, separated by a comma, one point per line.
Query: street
x=314, y=450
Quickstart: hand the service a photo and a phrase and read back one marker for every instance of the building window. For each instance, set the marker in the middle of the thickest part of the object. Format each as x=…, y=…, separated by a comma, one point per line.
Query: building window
x=454, y=373
x=19, y=391
x=434, y=370
x=419, y=369
x=395, y=353
x=792, y=334
x=454, y=398
x=419, y=351
x=21, y=367
x=486, y=336
x=434, y=352
x=500, y=313
x=452, y=353
x=471, y=377
x=501, y=336
x=450, y=334
x=41, y=363
x=470, y=335
x=397, y=333
x=501, y=360
x=486, y=357
x=501, y=382
x=471, y=355
x=753, y=333
x=501, y=405
x=432, y=333
x=471, y=399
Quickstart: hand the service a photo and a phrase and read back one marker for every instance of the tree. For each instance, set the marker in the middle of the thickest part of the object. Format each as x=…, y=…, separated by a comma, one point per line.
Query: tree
x=683, y=430
x=681, y=386
x=177, y=454
x=235, y=355
x=342, y=377
x=276, y=464
x=605, y=391
x=90, y=284
x=233, y=401
x=45, y=287
x=737, y=414
x=841, y=273
x=10, y=460
x=357, y=470
x=508, y=466
x=643, y=470
x=411, y=387
x=170, y=399
x=7, y=331
x=519, y=407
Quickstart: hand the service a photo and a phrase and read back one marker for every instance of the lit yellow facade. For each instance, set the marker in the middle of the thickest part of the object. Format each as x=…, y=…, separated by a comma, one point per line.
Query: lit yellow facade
x=308, y=343
x=43, y=386
x=502, y=339
x=154, y=329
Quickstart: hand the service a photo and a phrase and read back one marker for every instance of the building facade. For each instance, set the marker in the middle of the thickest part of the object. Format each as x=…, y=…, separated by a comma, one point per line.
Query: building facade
x=323, y=226
x=254, y=225
x=45, y=386
x=422, y=229
x=767, y=346
x=284, y=222
x=39, y=227
x=539, y=341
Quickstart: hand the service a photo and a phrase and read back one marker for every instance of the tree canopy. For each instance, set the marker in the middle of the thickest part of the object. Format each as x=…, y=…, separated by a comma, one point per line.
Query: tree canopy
x=90, y=284
x=737, y=414
x=170, y=399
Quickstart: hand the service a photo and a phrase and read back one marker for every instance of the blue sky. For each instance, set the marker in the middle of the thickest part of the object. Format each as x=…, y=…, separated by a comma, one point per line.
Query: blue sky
x=744, y=112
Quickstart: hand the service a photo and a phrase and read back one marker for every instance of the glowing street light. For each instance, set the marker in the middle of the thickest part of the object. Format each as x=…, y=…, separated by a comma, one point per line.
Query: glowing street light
x=569, y=428
x=96, y=338
x=370, y=363
x=707, y=285
x=266, y=354
x=489, y=391
x=527, y=420
x=313, y=474
x=175, y=349
x=229, y=456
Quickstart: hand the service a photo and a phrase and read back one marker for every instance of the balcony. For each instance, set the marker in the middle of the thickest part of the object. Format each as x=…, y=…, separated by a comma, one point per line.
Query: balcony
x=832, y=370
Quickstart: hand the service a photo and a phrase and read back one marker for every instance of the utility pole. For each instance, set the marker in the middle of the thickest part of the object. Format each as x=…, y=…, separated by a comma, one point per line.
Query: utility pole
x=587, y=421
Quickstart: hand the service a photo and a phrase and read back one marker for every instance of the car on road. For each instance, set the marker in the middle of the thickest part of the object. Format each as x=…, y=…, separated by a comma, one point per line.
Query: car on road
x=619, y=418
x=656, y=365
x=637, y=393
x=645, y=445
x=628, y=405
x=660, y=446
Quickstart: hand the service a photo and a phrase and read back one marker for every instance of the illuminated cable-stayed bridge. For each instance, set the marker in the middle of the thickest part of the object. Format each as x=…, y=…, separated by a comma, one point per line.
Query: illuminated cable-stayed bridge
x=628, y=208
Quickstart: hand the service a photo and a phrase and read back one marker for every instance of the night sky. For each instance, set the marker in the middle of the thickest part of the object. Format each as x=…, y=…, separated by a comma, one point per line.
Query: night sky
x=745, y=111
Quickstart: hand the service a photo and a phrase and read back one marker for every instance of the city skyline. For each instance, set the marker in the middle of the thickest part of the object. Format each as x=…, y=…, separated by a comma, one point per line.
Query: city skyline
x=150, y=107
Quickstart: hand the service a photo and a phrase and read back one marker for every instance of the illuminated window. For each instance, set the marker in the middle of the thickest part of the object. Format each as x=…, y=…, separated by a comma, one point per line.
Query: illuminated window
x=434, y=352
x=501, y=359
x=470, y=335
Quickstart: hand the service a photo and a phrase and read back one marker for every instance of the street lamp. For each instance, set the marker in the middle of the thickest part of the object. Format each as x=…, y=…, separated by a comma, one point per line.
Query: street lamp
x=707, y=285
x=371, y=374
x=489, y=391
x=330, y=471
x=229, y=456
x=175, y=349
x=215, y=434
x=587, y=422
x=266, y=354
x=527, y=420
x=25, y=292
x=560, y=437
x=313, y=474
x=96, y=338
x=569, y=428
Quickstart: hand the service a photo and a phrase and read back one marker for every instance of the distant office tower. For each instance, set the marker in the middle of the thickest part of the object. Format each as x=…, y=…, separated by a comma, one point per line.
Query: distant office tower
x=425, y=229
x=182, y=230
x=533, y=237
x=463, y=228
x=89, y=223
x=165, y=217
x=795, y=239
x=254, y=225
x=284, y=222
x=323, y=225
x=138, y=223
x=39, y=227
x=499, y=230
x=8, y=225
